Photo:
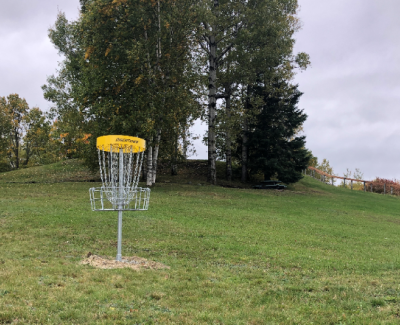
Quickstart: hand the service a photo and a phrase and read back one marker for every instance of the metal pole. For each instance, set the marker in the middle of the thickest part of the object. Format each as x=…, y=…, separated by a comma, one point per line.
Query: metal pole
x=391, y=190
x=120, y=203
x=332, y=181
x=351, y=184
x=344, y=182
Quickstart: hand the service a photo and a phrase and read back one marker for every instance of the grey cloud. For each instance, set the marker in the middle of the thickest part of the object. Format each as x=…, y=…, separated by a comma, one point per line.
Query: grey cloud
x=27, y=56
x=351, y=92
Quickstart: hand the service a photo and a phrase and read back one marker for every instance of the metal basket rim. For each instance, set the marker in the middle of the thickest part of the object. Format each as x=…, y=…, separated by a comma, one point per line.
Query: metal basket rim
x=101, y=189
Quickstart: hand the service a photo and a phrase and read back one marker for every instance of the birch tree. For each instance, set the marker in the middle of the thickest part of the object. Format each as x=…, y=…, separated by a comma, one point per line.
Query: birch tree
x=237, y=37
x=219, y=25
x=127, y=68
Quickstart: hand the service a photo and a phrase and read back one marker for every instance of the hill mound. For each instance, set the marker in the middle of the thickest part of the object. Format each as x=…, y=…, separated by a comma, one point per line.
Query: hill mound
x=71, y=170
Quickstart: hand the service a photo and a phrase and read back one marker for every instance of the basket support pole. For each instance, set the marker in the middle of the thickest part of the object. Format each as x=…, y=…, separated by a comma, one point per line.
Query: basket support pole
x=119, y=235
x=120, y=203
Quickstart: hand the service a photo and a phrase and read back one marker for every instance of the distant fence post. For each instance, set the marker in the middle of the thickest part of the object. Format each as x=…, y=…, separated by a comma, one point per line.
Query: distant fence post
x=351, y=184
x=332, y=181
x=364, y=186
x=391, y=190
x=384, y=188
x=344, y=182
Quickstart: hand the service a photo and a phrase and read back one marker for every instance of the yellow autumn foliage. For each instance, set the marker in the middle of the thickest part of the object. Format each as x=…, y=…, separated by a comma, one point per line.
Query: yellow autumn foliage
x=89, y=51
x=108, y=50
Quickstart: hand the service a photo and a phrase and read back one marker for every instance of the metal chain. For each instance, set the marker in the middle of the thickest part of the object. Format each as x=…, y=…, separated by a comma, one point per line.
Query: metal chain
x=135, y=180
x=109, y=162
x=101, y=170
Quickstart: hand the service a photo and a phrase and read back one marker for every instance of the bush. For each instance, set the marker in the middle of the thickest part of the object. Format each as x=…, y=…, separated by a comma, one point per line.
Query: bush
x=4, y=167
x=378, y=186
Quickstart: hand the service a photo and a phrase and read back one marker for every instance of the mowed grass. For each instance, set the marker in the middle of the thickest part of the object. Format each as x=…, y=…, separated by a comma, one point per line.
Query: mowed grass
x=313, y=254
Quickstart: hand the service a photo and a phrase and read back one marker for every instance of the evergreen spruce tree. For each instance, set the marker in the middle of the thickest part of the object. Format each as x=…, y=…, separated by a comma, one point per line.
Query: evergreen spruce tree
x=274, y=148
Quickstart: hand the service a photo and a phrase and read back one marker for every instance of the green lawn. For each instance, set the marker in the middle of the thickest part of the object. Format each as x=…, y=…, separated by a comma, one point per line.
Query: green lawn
x=314, y=254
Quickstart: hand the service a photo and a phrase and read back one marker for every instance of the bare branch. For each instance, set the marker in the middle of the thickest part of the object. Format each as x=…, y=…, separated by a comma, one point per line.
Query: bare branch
x=205, y=25
x=203, y=47
x=223, y=53
x=206, y=38
x=224, y=95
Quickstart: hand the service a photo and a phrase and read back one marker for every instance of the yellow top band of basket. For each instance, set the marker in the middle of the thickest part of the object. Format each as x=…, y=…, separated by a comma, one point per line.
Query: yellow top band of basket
x=116, y=142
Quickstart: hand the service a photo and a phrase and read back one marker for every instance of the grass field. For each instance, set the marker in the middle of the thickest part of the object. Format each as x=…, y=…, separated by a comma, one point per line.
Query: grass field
x=314, y=254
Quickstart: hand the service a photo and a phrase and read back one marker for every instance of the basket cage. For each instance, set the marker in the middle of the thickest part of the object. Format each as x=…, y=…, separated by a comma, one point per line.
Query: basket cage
x=132, y=200
x=120, y=172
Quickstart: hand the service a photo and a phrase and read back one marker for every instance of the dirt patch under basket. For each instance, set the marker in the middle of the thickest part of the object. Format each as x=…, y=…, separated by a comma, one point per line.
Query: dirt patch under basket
x=132, y=262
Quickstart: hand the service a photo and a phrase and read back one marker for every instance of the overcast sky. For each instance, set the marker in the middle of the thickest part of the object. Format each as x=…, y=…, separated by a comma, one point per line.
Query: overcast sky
x=351, y=91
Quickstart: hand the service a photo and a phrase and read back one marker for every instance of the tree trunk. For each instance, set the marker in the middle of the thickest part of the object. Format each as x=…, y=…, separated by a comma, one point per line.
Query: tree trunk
x=158, y=137
x=185, y=144
x=212, y=91
x=10, y=159
x=144, y=167
x=244, y=150
x=28, y=155
x=16, y=149
x=212, y=172
x=149, y=180
x=174, y=166
x=174, y=158
x=155, y=155
x=228, y=149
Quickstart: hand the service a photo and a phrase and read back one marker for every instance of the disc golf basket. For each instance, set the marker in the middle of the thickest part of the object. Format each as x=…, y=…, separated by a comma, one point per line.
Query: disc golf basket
x=120, y=160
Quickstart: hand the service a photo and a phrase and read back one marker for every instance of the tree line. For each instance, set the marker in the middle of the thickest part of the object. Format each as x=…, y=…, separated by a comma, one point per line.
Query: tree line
x=151, y=68
x=30, y=137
